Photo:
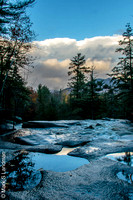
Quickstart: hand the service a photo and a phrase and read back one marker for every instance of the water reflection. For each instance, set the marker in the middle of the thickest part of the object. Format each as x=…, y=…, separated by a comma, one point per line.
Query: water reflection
x=127, y=158
x=125, y=176
x=20, y=173
x=123, y=157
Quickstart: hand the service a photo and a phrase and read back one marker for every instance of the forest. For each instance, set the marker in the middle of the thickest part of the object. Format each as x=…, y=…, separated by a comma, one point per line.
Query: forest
x=86, y=96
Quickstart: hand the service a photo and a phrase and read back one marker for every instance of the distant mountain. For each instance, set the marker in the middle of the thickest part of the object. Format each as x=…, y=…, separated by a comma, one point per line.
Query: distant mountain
x=106, y=81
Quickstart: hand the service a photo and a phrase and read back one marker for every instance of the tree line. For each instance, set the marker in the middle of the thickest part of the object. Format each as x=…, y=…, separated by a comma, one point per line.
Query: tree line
x=85, y=98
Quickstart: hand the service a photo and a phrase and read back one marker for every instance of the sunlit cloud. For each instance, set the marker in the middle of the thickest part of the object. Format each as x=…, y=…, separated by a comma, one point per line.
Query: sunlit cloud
x=102, y=67
x=53, y=58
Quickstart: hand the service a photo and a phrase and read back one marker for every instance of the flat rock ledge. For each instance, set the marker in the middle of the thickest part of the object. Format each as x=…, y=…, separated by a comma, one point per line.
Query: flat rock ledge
x=94, y=181
x=73, y=143
x=97, y=180
x=32, y=140
x=47, y=148
x=40, y=124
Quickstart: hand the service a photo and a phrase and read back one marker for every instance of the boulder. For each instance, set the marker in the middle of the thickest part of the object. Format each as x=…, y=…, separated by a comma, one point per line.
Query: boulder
x=98, y=124
x=48, y=149
x=17, y=119
x=31, y=140
x=89, y=127
x=5, y=128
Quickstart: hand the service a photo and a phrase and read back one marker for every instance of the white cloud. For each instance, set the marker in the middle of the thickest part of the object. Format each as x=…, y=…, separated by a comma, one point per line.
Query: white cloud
x=53, y=58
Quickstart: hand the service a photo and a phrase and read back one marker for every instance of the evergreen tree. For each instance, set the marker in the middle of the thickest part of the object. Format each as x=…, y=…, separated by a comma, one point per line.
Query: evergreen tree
x=92, y=102
x=122, y=74
x=77, y=70
x=31, y=106
x=16, y=35
x=77, y=84
x=43, y=101
x=9, y=10
x=92, y=92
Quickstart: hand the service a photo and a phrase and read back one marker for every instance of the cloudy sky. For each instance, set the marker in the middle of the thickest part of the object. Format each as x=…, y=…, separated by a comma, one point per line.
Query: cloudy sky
x=67, y=27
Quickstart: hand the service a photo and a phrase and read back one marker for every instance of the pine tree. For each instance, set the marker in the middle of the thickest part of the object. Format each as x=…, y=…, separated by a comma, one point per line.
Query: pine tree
x=78, y=86
x=92, y=93
x=9, y=10
x=77, y=70
x=16, y=35
x=122, y=74
x=43, y=101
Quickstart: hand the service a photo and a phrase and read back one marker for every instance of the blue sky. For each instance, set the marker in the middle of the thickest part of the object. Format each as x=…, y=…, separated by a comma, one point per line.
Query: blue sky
x=67, y=27
x=80, y=19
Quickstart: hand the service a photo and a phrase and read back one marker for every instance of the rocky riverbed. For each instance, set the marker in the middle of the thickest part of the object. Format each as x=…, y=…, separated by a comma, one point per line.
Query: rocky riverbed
x=106, y=171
